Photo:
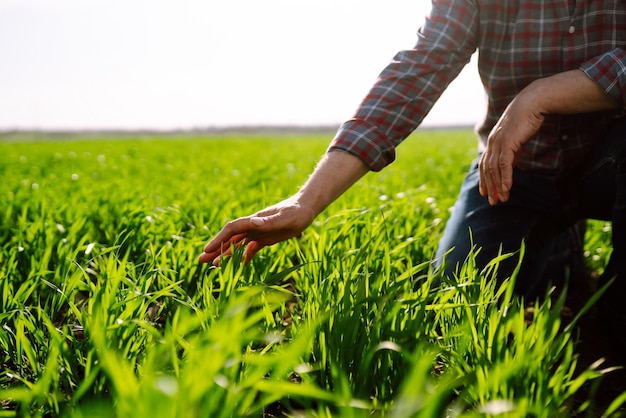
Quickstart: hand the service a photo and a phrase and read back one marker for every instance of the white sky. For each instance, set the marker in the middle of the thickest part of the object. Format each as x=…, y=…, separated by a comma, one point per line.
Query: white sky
x=156, y=64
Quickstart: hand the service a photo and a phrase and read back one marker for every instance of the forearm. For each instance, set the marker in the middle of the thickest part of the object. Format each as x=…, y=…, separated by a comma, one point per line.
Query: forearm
x=570, y=92
x=334, y=174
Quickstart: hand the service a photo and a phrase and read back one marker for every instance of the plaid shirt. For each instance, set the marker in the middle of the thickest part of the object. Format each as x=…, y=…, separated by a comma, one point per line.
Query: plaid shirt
x=518, y=41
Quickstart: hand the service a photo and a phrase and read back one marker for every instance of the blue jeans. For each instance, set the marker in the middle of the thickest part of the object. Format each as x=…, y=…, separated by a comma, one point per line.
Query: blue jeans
x=545, y=211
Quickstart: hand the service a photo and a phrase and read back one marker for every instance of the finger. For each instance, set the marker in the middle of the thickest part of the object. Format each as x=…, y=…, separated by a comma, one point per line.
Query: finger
x=221, y=259
x=494, y=195
x=205, y=258
x=506, y=175
x=225, y=251
x=235, y=241
x=223, y=240
x=233, y=234
x=228, y=234
x=251, y=251
x=224, y=248
x=487, y=174
x=211, y=258
x=482, y=181
x=495, y=172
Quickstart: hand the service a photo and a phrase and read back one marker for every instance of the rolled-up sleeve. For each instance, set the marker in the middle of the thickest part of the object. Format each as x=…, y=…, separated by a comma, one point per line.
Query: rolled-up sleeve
x=363, y=140
x=609, y=71
x=410, y=85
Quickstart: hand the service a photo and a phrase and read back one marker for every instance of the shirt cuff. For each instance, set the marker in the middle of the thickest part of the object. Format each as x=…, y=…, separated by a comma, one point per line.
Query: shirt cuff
x=363, y=140
x=609, y=71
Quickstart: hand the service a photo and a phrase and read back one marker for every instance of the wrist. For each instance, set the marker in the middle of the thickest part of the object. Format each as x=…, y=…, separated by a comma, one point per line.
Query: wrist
x=308, y=203
x=334, y=174
x=535, y=97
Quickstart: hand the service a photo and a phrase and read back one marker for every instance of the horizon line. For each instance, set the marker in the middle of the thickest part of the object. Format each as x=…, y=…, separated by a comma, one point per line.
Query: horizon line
x=211, y=130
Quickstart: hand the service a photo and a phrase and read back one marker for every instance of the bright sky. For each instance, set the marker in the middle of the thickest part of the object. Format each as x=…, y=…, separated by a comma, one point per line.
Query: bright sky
x=157, y=64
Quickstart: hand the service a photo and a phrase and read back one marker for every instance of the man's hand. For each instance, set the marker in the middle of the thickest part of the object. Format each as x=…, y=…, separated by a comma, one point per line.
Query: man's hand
x=569, y=92
x=520, y=121
x=277, y=223
x=334, y=174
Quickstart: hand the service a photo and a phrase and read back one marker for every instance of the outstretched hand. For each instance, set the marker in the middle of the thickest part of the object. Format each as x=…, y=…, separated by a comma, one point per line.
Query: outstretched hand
x=274, y=224
x=334, y=174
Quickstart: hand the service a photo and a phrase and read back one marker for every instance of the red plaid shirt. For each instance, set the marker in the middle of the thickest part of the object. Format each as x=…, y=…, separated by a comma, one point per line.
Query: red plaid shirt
x=518, y=41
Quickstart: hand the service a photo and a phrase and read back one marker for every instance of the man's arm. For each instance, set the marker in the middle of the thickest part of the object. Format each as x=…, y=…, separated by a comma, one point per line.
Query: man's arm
x=334, y=174
x=569, y=92
x=397, y=103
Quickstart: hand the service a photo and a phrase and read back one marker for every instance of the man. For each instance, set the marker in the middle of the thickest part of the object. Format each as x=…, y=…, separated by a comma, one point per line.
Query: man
x=552, y=145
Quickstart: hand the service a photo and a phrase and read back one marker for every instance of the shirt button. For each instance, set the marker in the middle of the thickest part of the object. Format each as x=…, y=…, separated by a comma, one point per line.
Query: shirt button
x=571, y=29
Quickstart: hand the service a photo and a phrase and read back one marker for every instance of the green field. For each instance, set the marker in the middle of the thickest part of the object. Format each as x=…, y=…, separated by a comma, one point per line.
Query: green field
x=105, y=311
